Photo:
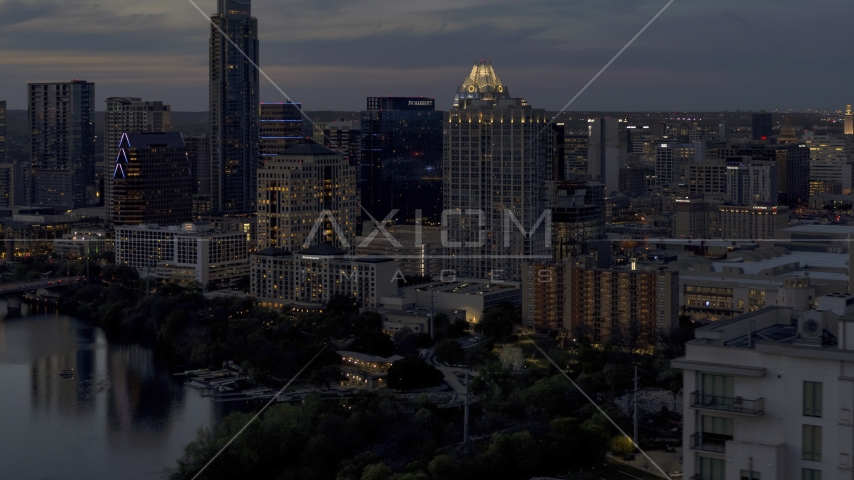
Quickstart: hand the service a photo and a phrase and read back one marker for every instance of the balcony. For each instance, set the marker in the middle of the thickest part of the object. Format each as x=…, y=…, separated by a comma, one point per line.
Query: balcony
x=709, y=442
x=735, y=405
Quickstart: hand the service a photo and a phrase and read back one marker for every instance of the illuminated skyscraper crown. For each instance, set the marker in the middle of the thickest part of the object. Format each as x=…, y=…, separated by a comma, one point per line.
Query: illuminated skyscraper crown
x=482, y=84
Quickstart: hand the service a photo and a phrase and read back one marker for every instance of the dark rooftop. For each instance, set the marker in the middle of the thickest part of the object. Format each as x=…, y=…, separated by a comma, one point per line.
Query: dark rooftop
x=323, y=249
x=274, y=252
x=146, y=140
x=374, y=259
x=308, y=148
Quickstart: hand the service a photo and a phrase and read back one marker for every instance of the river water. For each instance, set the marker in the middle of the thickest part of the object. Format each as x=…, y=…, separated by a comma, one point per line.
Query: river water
x=123, y=415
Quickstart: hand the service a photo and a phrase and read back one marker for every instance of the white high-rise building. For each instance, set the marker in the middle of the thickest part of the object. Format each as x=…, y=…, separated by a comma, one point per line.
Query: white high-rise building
x=306, y=194
x=496, y=165
x=191, y=252
x=770, y=394
x=606, y=151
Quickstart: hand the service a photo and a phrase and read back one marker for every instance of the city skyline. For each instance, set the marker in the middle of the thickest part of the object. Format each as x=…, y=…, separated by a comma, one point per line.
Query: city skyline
x=546, y=52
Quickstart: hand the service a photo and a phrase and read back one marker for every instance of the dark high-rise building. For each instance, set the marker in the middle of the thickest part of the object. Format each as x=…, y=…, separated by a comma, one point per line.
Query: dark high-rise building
x=557, y=144
x=575, y=150
x=2, y=131
x=401, y=157
x=762, y=125
x=234, y=100
x=793, y=170
x=578, y=216
x=632, y=181
x=151, y=180
x=344, y=137
x=606, y=151
x=62, y=143
x=280, y=127
x=199, y=160
x=128, y=114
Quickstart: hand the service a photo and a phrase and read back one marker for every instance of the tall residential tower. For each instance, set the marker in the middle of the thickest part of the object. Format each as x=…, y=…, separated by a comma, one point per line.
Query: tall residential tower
x=234, y=100
x=306, y=195
x=62, y=142
x=496, y=164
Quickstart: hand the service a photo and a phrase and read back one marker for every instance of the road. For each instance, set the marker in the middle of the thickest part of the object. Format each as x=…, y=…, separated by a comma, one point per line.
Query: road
x=47, y=283
x=451, y=375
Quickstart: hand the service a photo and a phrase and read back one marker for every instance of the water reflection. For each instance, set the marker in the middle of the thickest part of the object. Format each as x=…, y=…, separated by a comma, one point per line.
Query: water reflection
x=122, y=414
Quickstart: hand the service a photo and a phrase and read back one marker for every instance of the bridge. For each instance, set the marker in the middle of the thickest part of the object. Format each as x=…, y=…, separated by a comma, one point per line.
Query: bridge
x=34, y=285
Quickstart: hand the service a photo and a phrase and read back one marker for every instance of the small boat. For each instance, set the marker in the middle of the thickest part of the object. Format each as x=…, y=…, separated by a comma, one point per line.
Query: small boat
x=66, y=373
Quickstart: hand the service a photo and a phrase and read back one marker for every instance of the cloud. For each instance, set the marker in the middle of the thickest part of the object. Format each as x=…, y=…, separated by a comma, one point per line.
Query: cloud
x=332, y=53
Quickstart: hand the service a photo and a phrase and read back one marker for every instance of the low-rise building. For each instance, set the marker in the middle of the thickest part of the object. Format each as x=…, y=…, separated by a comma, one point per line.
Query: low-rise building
x=81, y=243
x=310, y=278
x=464, y=297
x=417, y=319
x=750, y=280
x=364, y=370
x=191, y=252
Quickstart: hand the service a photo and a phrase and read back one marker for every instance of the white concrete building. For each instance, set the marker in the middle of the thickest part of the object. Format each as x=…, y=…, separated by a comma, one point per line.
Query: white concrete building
x=748, y=281
x=770, y=395
x=308, y=279
x=186, y=253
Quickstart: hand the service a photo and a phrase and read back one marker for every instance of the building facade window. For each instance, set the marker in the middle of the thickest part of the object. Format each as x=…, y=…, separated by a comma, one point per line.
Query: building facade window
x=712, y=468
x=812, y=399
x=749, y=475
x=718, y=385
x=716, y=430
x=812, y=443
x=810, y=474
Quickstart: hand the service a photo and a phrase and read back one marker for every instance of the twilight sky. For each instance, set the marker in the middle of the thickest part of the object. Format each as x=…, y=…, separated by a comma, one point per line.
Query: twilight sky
x=331, y=54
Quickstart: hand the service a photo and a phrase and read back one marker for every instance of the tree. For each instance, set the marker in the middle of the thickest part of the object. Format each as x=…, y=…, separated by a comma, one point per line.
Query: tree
x=496, y=323
x=450, y=351
x=325, y=376
x=445, y=328
x=373, y=343
x=342, y=306
x=377, y=471
x=413, y=372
